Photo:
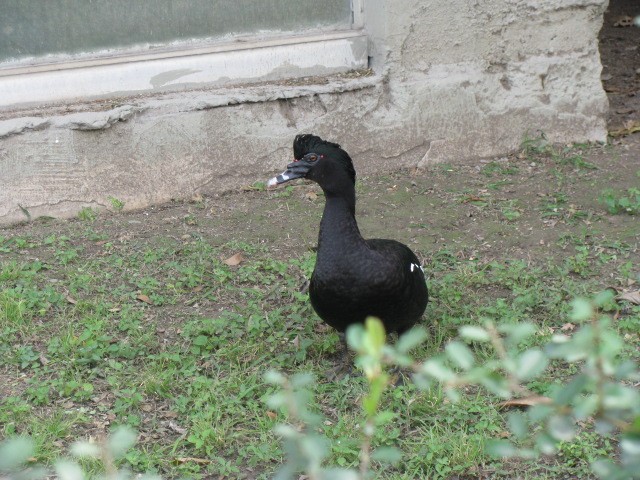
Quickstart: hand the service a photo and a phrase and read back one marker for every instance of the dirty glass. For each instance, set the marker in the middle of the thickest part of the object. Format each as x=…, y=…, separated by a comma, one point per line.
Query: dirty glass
x=36, y=28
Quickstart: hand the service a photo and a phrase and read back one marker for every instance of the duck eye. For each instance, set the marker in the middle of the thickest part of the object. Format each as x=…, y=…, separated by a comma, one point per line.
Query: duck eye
x=312, y=157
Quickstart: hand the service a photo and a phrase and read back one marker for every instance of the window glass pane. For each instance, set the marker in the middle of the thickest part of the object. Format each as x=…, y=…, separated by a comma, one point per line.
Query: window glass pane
x=34, y=28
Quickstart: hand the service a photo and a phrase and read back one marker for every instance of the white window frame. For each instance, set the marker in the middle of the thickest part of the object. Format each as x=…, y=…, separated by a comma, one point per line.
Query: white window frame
x=245, y=60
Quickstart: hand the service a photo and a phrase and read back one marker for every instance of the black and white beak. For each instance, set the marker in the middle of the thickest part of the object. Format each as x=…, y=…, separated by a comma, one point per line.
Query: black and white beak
x=296, y=169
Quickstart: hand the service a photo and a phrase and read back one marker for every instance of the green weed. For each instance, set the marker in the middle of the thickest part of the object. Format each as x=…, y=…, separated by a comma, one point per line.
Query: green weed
x=87, y=214
x=616, y=203
x=116, y=204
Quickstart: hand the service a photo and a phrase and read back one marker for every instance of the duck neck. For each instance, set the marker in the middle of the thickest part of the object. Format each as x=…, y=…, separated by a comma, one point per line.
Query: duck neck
x=338, y=227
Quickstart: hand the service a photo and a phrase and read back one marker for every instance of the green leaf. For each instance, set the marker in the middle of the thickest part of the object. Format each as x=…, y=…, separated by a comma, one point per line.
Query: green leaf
x=300, y=380
x=611, y=343
x=384, y=417
x=14, y=453
x=537, y=413
x=517, y=332
x=496, y=385
x=337, y=474
x=285, y=431
x=474, y=334
x=453, y=395
x=68, y=470
x=561, y=427
x=605, y=468
x=585, y=406
x=376, y=387
x=411, y=339
x=276, y=400
x=530, y=364
x=201, y=340
x=436, y=369
x=565, y=395
x=620, y=397
x=518, y=425
x=605, y=297
x=546, y=444
x=274, y=377
x=355, y=336
x=390, y=455
x=581, y=310
x=421, y=381
x=460, y=354
x=85, y=449
x=314, y=447
x=375, y=337
x=501, y=448
x=121, y=440
x=630, y=444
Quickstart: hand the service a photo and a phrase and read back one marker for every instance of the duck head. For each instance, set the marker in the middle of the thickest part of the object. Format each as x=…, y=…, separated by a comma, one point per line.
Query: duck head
x=321, y=161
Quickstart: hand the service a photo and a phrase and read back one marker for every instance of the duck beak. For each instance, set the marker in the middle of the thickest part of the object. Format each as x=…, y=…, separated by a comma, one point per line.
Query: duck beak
x=296, y=169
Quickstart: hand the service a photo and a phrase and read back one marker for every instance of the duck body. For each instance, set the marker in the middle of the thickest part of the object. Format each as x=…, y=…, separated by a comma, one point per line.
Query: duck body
x=354, y=278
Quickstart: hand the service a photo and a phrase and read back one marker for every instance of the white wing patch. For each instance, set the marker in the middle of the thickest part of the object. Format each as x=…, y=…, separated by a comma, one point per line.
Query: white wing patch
x=415, y=265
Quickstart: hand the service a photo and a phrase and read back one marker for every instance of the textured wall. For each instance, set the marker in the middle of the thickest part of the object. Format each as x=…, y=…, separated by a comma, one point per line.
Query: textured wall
x=453, y=80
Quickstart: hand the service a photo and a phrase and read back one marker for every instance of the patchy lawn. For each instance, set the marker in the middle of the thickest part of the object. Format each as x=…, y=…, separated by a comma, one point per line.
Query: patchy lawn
x=153, y=320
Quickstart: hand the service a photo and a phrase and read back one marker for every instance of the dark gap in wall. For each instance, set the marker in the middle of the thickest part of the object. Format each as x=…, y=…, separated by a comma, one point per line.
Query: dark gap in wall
x=620, y=54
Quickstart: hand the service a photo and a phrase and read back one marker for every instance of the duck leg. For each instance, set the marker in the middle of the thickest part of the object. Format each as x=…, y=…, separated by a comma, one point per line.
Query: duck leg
x=345, y=365
x=399, y=376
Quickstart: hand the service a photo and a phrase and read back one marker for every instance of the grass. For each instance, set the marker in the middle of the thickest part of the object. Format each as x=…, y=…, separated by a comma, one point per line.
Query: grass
x=100, y=327
x=193, y=385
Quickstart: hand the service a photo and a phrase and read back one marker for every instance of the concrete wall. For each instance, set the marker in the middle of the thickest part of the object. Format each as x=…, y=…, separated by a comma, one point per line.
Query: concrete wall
x=452, y=80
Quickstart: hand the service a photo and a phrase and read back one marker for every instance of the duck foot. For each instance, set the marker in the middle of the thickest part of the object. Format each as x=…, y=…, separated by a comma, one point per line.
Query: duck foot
x=345, y=366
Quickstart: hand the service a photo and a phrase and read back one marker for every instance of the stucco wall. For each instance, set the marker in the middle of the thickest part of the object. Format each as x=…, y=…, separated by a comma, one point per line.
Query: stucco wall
x=452, y=80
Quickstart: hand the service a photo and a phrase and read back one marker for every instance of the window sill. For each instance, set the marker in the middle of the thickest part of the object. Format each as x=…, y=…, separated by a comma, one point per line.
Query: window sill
x=101, y=114
x=215, y=66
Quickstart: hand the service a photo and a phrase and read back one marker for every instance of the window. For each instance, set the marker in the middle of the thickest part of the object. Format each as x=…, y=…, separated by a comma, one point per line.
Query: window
x=62, y=49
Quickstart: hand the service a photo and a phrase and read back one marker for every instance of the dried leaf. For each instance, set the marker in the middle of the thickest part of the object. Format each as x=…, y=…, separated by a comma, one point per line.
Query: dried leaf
x=525, y=402
x=312, y=196
x=71, y=300
x=234, y=260
x=177, y=428
x=201, y=461
x=567, y=327
x=197, y=289
x=144, y=298
x=629, y=128
x=43, y=360
x=271, y=415
x=114, y=310
x=632, y=297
